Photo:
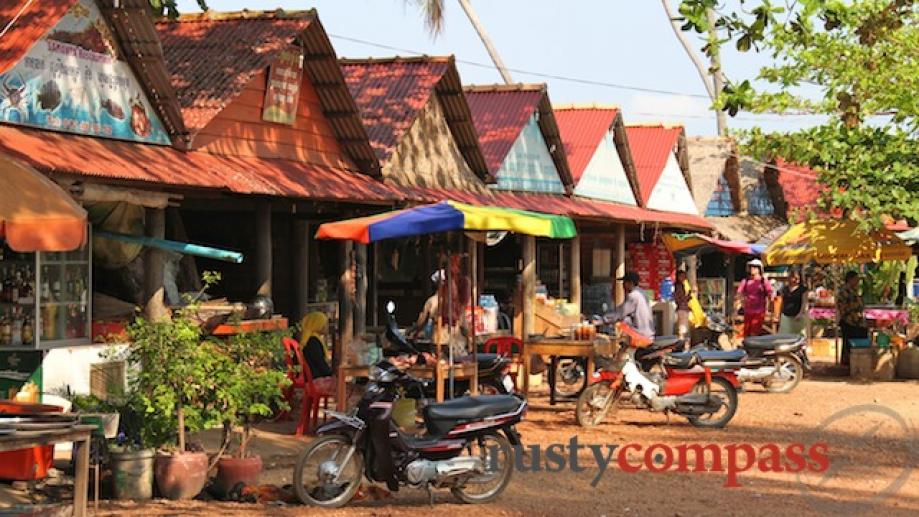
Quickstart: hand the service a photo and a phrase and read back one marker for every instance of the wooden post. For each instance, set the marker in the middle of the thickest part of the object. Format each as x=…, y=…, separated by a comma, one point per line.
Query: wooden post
x=619, y=262
x=187, y=266
x=301, y=267
x=480, y=257
x=529, y=284
x=263, y=249
x=576, y=271
x=373, y=289
x=345, y=300
x=360, y=290
x=473, y=302
x=692, y=265
x=729, y=289
x=154, y=292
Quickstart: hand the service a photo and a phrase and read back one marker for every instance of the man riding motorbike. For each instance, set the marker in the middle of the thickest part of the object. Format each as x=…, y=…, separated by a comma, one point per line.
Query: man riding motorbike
x=635, y=310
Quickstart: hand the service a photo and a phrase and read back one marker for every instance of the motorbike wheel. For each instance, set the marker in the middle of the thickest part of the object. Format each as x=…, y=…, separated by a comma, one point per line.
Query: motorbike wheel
x=317, y=466
x=570, y=377
x=723, y=389
x=595, y=403
x=498, y=459
x=789, y=367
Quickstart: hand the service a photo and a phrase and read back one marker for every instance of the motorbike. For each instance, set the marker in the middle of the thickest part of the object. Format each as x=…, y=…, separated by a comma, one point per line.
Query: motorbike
x=493, y=369
x=699, y=385
x=467, y=446
x=778, y=362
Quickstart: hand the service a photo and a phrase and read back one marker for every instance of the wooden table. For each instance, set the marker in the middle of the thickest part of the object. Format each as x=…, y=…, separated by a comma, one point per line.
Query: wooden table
x=79, y=435
x=558, y=347
x=460, y=371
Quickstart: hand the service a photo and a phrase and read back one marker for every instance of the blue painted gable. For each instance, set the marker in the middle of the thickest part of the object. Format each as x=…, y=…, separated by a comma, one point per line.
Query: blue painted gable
x=529, y=166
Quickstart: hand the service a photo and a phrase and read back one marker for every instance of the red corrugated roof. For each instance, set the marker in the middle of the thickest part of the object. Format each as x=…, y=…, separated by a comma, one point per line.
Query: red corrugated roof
x=32, y=20
x=582, y=130
x=390, y=94
x=651, y=146
x=799, y=185
x=213, y=57
x=555, y=204
x=98, y=157
x=499, y=118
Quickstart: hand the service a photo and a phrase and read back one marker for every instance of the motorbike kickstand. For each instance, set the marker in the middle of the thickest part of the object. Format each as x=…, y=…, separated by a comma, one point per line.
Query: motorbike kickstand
x=427, y=488
x=667, y=415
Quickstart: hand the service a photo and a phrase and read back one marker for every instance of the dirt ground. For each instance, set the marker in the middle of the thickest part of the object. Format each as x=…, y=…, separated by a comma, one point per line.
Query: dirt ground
x=871, y=457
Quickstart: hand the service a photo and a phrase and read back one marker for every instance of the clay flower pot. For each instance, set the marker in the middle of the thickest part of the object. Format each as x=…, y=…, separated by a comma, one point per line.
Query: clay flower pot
x=232, y=471
x=180, y=475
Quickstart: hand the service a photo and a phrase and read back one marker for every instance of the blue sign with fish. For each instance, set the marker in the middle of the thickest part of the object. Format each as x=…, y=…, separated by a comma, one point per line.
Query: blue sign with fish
x=74, y=80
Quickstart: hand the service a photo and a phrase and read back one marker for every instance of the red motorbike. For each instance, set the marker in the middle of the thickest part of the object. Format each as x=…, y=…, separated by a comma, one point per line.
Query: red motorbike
x=700, y=385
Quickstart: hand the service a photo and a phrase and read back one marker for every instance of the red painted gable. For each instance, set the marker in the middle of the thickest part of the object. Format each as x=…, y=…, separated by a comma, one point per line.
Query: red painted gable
x=651, y=146
x=582, y=130
x=26, y=21
x=499, y=118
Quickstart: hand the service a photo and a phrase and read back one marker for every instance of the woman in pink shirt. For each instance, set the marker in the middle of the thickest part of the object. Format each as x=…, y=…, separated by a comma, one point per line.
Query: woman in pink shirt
x=754, y=293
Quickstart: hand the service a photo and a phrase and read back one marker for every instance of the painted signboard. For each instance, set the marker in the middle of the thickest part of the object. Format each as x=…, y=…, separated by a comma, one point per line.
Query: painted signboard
x=529, y=166
x=73, y=79
x=283, y=89
x=605, y=178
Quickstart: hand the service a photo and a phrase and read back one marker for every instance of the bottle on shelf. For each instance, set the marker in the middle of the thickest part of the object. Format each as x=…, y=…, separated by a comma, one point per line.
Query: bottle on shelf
x=27, y=335
x=6, y=329
x=16, y=327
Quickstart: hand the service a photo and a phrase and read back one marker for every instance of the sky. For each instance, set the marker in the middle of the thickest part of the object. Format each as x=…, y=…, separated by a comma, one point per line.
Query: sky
x=614, y=42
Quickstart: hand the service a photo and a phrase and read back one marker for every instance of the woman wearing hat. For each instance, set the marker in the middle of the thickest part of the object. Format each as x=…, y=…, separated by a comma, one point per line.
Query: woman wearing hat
x=753, y=295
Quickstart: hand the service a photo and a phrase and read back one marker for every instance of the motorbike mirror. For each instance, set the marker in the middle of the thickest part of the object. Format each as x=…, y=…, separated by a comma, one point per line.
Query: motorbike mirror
x=390, y=307
x=605, y=307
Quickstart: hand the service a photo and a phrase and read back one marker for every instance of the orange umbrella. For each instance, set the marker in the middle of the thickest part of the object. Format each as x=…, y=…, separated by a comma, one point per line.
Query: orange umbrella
x=35, y=213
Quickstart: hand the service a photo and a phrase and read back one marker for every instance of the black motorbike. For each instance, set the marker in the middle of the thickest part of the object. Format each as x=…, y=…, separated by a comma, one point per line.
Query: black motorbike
x=467, y=447
x=494, y=369
x=778, y=362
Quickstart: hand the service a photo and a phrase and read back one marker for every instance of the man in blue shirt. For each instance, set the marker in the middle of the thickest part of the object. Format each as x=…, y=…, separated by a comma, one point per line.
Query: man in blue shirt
x=635, y=310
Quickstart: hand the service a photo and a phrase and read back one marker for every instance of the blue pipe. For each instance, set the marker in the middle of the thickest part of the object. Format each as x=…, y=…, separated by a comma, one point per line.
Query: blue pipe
x=180, y=247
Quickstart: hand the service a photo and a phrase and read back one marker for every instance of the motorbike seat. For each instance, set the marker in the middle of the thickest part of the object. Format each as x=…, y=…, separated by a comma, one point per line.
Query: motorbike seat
x=770, y=342
x=664, y=342
x=471, y=408
x=721, y=355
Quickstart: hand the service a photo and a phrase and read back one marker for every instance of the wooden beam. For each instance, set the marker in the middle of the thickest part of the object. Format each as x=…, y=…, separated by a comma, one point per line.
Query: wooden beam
x=301, y=265
x=360, y=291
x=619, y=263
x=529, y=284
x=263, y=257
x=154, y=292
x=575, y=279
x=345, y=301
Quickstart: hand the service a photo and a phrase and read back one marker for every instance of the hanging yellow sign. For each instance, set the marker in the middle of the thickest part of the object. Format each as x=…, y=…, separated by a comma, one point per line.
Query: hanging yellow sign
x=283, y=89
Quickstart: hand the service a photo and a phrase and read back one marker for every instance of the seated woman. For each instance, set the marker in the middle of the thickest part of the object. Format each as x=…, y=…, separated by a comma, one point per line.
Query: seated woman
x=313, y=328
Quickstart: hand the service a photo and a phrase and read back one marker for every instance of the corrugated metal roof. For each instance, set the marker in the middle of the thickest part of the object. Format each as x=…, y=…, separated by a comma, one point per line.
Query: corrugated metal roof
x=800, y=188
x=651, y=145
x=555, y=204
x=390, y=94
x=112, y=159
x=213, y=56
x=32, y=20
x=582, y=130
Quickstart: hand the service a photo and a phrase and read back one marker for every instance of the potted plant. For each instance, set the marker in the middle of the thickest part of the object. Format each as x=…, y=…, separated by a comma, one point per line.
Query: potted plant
x=175, y=384
x=131, y=456
x=253, y=388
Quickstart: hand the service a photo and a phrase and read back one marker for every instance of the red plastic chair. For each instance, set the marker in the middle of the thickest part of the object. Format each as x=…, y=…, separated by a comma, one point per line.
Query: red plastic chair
x=298, y=371
x=504, y=345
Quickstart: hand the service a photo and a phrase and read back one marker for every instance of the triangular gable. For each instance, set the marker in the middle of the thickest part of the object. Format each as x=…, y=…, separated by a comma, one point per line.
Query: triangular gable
x=393, y=94
x=651, y=148
x=75, y=79
x=528, y=166
x=721, y=203
x=589, y=134
x=519, y=137
x=219, y=63
x=671, y=192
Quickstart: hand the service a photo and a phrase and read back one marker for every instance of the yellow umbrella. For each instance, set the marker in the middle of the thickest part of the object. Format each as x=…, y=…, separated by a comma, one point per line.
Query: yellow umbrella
x=830, y=241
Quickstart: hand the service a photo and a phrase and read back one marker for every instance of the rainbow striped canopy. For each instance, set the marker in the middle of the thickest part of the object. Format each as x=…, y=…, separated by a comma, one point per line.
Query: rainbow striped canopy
x=447, y=216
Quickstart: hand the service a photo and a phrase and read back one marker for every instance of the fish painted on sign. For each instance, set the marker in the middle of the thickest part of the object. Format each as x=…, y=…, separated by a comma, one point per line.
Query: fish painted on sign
x=113, y=109
x=49, y=97
x=140, y=122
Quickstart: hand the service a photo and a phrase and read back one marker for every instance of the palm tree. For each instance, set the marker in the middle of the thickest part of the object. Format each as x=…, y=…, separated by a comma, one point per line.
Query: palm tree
x=434, y=20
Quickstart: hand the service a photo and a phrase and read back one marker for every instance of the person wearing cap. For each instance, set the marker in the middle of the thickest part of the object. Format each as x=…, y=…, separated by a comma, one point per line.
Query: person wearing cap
x=635, y=310
x=753, y=295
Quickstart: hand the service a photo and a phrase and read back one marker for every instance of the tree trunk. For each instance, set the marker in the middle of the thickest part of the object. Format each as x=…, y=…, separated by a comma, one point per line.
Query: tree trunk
x=180, y=416
x=717, y=74
x=489, y=46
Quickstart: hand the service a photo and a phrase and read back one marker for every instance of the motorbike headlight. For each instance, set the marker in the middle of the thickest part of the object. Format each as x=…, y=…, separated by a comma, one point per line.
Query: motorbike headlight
x=378, y=374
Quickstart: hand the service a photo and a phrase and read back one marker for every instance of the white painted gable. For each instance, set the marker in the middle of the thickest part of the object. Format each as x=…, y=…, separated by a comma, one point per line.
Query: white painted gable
x=671, y=193
x=605, y=177
x=528, y=166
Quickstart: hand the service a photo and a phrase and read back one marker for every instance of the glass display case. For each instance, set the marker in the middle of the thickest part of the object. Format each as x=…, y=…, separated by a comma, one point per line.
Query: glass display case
x=45, y=298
